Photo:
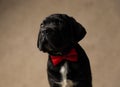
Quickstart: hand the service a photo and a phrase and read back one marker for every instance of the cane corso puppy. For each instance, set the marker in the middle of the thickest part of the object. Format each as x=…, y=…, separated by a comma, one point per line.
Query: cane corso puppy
x=68, y=64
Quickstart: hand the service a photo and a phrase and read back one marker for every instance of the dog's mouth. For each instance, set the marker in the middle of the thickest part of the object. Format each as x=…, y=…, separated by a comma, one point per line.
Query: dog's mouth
x=46, y=48
x=51, y=50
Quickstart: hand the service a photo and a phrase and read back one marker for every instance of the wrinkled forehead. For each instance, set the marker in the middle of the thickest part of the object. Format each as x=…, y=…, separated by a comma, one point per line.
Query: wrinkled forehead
x=48, y=26
x=52, y=20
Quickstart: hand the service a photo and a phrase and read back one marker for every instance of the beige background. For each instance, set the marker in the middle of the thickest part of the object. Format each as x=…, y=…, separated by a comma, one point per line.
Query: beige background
x=23, y=65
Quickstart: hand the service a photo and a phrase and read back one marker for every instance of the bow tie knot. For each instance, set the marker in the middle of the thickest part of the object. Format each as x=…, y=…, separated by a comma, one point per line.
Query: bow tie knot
x=71, y=56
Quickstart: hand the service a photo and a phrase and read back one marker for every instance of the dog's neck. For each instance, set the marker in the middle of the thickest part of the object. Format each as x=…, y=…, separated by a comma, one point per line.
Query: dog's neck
x=62, y=52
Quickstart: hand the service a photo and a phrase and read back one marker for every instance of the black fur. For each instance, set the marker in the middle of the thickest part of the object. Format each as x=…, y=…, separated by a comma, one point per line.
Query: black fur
x=58, y=34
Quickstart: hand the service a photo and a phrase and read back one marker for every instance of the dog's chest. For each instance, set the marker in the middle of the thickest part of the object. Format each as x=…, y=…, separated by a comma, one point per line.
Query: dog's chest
x=64, y=71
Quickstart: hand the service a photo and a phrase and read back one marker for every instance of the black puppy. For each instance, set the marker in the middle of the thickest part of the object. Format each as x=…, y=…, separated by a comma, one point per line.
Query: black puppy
x=68, y=64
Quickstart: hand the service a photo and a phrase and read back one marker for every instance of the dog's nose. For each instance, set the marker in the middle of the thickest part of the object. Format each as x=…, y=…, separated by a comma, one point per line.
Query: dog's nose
x=43, y=31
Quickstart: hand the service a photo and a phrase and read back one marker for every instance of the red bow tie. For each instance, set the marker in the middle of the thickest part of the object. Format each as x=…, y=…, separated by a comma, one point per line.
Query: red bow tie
x=71, y=56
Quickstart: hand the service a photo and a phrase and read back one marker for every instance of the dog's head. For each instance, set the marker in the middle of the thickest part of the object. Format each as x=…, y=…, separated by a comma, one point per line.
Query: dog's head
x=59, y=32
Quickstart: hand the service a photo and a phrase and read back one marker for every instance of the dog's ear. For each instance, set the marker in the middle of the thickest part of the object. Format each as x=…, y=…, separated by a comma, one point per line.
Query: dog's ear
x=78, y=31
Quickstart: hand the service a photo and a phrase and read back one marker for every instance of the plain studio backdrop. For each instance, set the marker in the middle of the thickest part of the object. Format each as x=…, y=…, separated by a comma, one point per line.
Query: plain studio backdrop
x=23, y=65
